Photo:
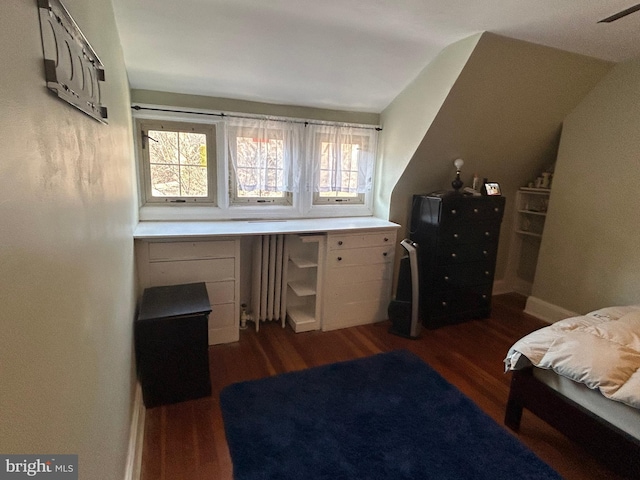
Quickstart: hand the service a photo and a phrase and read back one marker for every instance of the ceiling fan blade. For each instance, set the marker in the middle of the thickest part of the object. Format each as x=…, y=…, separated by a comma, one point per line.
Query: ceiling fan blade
x=621, y=14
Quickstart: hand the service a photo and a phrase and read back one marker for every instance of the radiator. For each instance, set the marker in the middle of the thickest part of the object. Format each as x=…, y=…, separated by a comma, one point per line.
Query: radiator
x=268, y=272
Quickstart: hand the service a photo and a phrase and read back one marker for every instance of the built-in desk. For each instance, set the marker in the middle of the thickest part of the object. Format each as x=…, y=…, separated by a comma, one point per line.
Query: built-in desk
x=361, y=250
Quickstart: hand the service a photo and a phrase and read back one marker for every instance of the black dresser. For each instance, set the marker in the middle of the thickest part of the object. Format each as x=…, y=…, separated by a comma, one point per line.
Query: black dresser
x=458, y=237
x=172, y=345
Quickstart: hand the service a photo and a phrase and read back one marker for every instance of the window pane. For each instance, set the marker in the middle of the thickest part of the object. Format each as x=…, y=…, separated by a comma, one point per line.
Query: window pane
x=178, y=164
x=259, y=166
x=193, y=181
x=193, y=149
x=163, y=147
x=165, y=180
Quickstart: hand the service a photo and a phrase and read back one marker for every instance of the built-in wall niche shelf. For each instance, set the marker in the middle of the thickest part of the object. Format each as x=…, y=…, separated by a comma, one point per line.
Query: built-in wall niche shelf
x=530, y=215
x=305, y=255
x=531, y=207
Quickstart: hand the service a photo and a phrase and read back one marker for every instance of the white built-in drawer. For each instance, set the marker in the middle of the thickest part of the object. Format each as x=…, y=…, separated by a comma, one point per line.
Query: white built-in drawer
x=221, y=292
x=191, y=271
x=339, y=242
x=360, y=256
x=357, y=273
x=222, y=316
x=161, y=252
x=353, y=313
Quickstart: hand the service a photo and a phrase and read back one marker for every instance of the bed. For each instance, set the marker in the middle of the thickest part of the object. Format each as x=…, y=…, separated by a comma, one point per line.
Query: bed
x=582, y=376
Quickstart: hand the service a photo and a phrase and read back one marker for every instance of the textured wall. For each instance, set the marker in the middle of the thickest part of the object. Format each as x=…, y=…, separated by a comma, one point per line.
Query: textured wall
x=67, y=211
x=589, y=255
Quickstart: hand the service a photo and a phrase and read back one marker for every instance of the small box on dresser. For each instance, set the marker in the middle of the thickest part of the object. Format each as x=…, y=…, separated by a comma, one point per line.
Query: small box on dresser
x=458, y=242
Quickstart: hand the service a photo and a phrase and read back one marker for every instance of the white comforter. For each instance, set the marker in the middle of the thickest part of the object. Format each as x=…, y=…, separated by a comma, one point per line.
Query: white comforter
x=600, y=349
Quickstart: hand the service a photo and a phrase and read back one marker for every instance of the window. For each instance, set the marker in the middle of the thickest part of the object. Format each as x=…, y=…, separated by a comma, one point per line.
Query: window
x=261, y=161
x=248, y=167
x=178, y=162
x=343, y=164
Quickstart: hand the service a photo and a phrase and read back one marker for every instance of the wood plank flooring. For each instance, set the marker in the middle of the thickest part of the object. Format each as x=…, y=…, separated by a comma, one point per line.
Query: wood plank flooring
x=187, y=440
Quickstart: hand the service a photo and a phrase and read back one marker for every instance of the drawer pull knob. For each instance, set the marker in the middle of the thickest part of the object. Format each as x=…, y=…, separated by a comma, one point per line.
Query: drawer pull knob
x=487, y=234
x=485, y=253
x=454, y=211
x=444, y=304
x=384, y=254
x=475, y=210
x=340, y=242
x=453, y=255
x=339, y=259
x=446, y=278
x=386, y=239
x=484, y=297
x=496, y=209
x=455, y=235
x=487, y=273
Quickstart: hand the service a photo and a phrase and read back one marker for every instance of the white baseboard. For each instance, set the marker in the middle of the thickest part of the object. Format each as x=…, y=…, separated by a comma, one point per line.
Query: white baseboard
x=546, y=311
x=500, y=287
x=136, y=437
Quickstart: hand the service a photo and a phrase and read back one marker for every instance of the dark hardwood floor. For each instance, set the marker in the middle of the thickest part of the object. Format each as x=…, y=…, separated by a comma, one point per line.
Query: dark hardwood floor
x=187, y=440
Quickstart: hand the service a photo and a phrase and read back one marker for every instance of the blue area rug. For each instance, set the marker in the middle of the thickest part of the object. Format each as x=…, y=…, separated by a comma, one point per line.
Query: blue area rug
x=389, y=416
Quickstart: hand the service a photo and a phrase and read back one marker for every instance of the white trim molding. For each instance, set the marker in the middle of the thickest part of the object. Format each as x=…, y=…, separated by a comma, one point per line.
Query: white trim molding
x=546, y=311
x=136, y=437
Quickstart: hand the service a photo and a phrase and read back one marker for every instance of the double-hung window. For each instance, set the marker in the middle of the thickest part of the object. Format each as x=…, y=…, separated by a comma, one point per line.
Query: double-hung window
x=178, y=161
x=263, y=161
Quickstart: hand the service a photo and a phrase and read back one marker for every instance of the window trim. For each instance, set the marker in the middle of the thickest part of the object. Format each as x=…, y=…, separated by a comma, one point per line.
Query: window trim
x=142, y=128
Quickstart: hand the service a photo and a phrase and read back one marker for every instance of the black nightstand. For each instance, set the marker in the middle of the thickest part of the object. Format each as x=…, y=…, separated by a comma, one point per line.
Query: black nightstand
x=172, y=344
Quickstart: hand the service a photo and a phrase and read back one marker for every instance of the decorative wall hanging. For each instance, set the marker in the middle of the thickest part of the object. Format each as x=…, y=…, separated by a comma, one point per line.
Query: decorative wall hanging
x=72, y=69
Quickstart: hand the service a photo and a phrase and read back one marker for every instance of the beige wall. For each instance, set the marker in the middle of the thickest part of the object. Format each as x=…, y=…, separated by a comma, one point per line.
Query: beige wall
x=66, y=252
x=242, y=106
x=502, y=116
x=589, y=256
x=410, y=115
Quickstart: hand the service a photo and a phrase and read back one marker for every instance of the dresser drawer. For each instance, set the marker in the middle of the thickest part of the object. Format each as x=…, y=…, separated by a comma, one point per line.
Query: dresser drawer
x=464, y=275
x=340, y=242
x=360, y=256
x=466, y=252
x=467, y=210
x=474, y=233
x=457, y=301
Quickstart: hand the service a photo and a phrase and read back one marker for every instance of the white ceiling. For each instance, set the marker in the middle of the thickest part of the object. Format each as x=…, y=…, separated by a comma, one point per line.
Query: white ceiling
x=340, y=54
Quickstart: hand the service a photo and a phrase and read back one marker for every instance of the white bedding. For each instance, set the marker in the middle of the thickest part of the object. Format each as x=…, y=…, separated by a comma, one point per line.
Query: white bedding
x=600, y=349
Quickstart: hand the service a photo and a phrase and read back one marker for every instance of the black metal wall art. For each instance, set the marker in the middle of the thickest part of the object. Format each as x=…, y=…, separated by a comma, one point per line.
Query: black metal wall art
x=72, y=69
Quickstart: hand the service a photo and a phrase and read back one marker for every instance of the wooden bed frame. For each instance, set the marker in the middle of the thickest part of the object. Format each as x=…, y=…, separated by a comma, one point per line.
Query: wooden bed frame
x=612, y=446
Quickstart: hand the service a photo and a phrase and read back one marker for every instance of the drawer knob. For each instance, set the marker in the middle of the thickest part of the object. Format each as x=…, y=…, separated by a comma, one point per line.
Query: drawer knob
x=384, y=254
x=484, y=297
x=340, y=242
x=386, y=239
x=455, y=235
x=454, y=211
x=485, y=253
x=339, y=259
x=453, y=255
x=496, y=209
x=487, y=234
x=444, y=304
x=475, y=210
x=487, y=273
x=446, y=278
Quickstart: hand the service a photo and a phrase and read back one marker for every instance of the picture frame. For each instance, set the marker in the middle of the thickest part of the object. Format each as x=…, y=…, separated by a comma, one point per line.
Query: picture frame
x=491, y=189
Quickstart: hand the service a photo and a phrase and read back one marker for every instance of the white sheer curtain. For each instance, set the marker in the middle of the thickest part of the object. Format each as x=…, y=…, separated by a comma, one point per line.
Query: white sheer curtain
x=342, y=158
x=264, y=154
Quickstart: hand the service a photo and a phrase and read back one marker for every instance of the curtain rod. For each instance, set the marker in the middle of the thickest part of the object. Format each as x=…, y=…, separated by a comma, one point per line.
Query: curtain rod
x=256, y=117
